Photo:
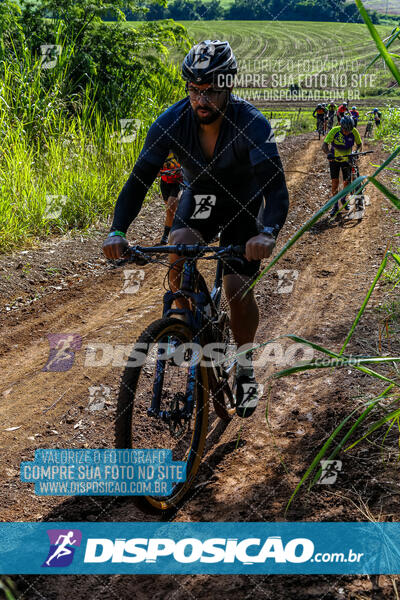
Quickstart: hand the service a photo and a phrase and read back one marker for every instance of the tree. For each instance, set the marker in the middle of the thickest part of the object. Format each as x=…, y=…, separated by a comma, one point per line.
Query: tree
x=120, y=64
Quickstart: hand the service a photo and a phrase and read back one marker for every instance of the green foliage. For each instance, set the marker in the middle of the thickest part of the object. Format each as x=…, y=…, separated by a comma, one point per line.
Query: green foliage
x=335, y=443
x=254, y=10
x=60, y=129
x=122, y=65
x=8, y=587
x=388, y=401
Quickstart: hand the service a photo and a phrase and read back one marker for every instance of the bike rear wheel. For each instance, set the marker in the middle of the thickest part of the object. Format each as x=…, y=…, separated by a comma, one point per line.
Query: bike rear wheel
x=168, y=377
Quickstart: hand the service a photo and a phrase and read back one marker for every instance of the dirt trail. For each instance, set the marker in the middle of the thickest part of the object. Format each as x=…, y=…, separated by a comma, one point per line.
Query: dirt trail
x=242, y=481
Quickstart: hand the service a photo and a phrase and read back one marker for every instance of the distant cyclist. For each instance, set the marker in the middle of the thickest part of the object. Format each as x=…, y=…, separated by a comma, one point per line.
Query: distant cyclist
x=230, y=163
x=331, y=113
x=355, y=115
x=341, y=111
x=171, y=190
x=319, y=114
x=342, y=139
x=377, y=116
x=325, y=116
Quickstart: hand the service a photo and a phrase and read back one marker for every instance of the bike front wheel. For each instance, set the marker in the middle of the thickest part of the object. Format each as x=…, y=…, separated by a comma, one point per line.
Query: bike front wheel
x=163, y=403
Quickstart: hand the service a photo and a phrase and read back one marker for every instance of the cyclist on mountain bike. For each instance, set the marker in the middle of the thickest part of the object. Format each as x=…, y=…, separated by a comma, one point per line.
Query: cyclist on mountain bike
x=341, y=111
x=377, y=116
x=230, y=161
x=319, y=113
x=324, y=106
x=355, y=115
x=331, y=108
x=342, y=140
x=171, y=190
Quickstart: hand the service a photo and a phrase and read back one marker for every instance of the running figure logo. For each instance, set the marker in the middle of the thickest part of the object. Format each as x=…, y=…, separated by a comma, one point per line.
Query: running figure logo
x=204, y=204
x=62, y=547
x=251, y=393
x=330, y=470
x=203, y=54
x=62, y=351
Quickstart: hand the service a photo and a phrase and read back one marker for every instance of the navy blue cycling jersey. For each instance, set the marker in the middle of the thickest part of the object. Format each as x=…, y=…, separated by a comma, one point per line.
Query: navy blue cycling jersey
x=245, y=163
x=245, y=139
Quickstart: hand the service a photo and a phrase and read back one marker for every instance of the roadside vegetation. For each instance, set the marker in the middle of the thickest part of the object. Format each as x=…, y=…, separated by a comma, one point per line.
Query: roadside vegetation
x=76, y=98
x=376, y=417
x=255, y=10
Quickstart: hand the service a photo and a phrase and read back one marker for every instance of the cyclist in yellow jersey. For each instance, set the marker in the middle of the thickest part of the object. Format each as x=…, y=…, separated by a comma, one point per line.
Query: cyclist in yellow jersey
x=342, y=139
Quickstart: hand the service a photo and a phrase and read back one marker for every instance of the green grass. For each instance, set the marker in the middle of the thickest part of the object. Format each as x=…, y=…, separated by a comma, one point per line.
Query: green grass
x=287, y=47
x=8, y=587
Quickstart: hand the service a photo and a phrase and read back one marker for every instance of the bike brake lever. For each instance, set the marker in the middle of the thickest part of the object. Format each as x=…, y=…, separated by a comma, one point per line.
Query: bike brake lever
x=132, y=255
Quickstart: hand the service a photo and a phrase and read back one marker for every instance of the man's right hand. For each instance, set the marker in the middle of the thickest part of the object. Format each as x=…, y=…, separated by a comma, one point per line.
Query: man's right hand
x=115, y=246
x=330, y=156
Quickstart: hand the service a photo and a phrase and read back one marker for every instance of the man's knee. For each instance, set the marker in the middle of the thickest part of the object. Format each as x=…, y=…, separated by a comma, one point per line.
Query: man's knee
x=235, y=286
x=185, y=236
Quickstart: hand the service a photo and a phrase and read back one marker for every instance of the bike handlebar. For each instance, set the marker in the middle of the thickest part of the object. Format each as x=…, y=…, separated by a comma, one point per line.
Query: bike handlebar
x=356, y=154
x=187, y=250
x=360, y=153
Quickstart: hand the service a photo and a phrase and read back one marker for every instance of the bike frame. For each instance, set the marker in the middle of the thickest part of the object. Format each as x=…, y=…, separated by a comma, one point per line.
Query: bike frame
x=201, y=300
x=355, y=172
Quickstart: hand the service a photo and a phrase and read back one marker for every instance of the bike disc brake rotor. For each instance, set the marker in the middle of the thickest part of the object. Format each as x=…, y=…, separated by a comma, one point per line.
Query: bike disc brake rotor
x=179, y=418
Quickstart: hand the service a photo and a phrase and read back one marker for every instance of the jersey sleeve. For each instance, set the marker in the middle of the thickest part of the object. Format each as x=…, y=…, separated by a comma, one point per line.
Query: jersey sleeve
x=357, y=137
x=261, y=139
x=158, y=142
x=330, y=136
x=151, y=159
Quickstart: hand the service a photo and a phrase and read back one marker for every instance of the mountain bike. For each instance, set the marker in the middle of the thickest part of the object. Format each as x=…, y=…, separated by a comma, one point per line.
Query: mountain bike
x=330, y=121
x=369, y=127
x=320, y=127
x=356, y=200
x=164, y=398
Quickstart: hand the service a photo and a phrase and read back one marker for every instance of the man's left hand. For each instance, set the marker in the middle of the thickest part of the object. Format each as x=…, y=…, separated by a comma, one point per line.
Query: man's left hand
x=260, y=246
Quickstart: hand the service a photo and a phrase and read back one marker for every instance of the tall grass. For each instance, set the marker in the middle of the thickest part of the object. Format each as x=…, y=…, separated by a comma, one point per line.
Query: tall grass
x=62, y=163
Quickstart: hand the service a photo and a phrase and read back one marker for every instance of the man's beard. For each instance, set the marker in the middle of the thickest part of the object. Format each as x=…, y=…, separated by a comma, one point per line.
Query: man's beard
x=210, y=118
x=213, y=115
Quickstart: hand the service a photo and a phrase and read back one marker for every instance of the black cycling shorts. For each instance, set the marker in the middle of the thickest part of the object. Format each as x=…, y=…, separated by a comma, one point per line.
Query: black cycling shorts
x=336, y=166
x=169, y=189
x=209, y=215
